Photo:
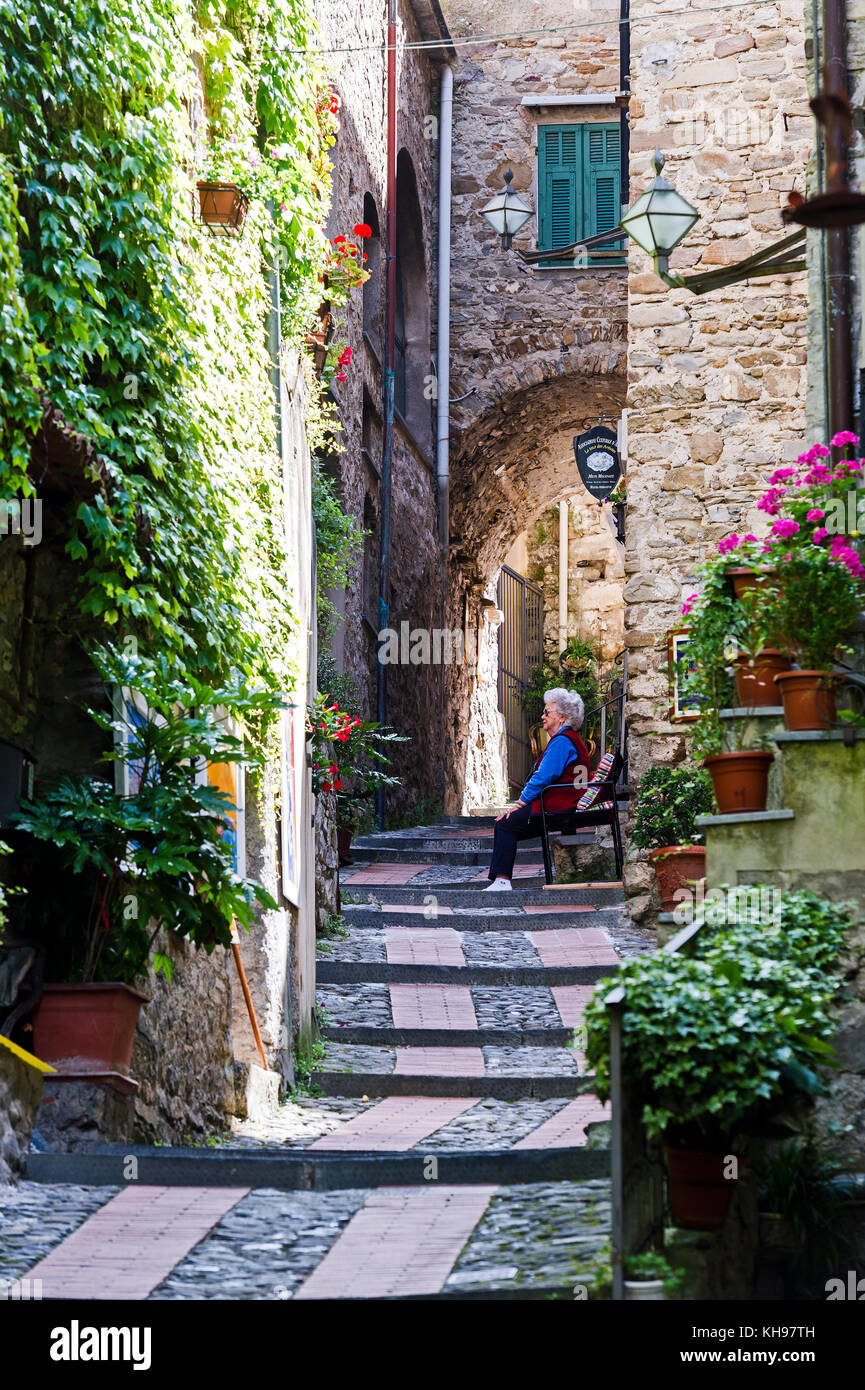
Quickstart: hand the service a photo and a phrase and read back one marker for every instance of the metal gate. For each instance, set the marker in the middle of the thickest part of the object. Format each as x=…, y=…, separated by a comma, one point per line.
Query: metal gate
x=521, y=649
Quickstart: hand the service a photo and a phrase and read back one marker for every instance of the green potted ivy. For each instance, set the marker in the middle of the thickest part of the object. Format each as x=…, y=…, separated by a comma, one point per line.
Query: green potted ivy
x=107, y=869
x=650, y=1277
x=668, y=803
x=716, y=1040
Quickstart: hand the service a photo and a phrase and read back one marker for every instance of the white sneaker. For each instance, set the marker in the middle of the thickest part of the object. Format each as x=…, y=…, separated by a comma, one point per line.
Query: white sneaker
x=499, y=885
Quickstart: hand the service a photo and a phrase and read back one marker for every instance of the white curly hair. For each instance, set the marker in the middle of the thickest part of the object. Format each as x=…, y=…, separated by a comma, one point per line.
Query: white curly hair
x=568, y=703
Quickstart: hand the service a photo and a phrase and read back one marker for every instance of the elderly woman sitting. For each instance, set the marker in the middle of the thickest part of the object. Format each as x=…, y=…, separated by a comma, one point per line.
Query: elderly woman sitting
x=563, y=755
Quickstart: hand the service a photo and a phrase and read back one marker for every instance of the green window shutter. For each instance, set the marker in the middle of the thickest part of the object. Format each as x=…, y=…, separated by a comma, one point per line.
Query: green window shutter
x=602, y=180
x=559, y=185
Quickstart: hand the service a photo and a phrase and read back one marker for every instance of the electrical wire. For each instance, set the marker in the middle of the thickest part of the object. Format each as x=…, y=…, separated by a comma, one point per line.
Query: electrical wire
x=452, y=42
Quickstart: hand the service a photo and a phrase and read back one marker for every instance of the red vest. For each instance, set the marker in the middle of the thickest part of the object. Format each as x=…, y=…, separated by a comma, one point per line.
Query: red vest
x=565, y=798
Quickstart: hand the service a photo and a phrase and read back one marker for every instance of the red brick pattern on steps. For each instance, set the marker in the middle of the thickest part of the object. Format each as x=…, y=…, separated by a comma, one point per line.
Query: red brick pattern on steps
x=423, y=946
x=396, y=1123
x=132, y=1243
x=567, y=1128
x=439, y=1061
x=574, y=946
x=404, y=1240
x=384, y=873
x=432, y=1006
x=571, y=1000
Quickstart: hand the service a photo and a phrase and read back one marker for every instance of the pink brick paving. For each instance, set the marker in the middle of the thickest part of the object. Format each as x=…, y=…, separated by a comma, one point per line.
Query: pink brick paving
x=423, y=946
x=128, y=1247
x=567, y=1128
x=571, y=1000
x=432, y=1006
x=384, y=873
x=398, y=1122
x=402, y=1241
x=439, y=1061
x=574, y=946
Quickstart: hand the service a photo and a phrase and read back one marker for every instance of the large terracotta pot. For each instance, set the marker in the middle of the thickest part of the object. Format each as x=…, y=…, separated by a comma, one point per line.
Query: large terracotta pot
x=87, y=1028
x=699, y=1192
x=740, y=780
x=809, y=698
x=675, y=867
x=745, y=577
x=755, y=677
x=222, y=206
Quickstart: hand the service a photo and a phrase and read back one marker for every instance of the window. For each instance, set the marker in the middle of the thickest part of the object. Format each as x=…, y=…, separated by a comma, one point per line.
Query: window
x=411, y=358
x=372, y=286
x=579, y=187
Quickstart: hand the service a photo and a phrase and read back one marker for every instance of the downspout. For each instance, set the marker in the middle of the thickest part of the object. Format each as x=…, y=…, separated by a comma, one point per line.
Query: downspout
x=443, y=381
x=443, y=370
x=625, y=86
x=389, y=353
x=563, y=575
x=821, y=188
x=837, y=240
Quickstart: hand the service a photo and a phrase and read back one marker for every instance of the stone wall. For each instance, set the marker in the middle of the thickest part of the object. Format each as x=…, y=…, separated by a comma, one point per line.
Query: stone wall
x=595, y=577
x=413, y=704
x=716, y=384
x=20, y=1094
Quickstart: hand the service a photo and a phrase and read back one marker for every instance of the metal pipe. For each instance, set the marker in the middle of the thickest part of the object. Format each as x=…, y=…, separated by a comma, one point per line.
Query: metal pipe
x=563, y=574
x=443, y=325
x=389, y=354
x=840, y=362
x=821, y=188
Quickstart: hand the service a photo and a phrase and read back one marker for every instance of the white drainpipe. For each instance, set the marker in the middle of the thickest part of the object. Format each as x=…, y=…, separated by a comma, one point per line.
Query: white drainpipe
x=443, y=379
x=563, y=575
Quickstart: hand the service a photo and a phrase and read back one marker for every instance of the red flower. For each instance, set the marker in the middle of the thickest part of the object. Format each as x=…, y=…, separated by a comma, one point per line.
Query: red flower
x=365, y=256
x=333, y=768
x=337, y=241
x=325, y=786
x=362, y=229
x=351, y=248
x=342, y=735
x=337, y=786
x=341, y=376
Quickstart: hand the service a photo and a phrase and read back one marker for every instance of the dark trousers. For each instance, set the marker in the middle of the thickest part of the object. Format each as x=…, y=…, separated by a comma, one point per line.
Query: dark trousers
x=507, y=833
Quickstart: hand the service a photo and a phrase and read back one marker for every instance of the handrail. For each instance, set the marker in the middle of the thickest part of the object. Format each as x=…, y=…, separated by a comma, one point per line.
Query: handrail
x=614, y=1002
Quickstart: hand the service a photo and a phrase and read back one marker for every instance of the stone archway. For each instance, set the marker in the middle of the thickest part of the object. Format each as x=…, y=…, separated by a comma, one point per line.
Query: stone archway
x=513, y=459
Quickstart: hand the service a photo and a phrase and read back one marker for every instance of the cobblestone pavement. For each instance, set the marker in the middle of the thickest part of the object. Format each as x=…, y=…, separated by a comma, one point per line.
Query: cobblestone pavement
x=523, y=1238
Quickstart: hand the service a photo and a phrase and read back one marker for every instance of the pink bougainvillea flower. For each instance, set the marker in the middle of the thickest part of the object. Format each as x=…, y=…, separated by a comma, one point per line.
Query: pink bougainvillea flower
x=815, y=514
x=820, y=534
x=843, y=437
x=784, y=528
x=362, y=229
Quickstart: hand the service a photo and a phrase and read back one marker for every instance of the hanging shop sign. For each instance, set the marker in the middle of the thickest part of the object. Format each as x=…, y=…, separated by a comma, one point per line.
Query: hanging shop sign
x=597, y=456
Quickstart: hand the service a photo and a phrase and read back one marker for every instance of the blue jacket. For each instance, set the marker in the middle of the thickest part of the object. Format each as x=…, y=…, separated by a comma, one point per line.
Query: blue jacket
x=558, y=754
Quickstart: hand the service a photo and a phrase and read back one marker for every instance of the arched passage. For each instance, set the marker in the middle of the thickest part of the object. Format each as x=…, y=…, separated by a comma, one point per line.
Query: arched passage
x=513, y=460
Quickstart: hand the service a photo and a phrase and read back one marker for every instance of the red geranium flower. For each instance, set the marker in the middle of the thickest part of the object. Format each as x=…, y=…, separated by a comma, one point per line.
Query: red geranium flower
x=325, y=786
x=362, y=229
x=337, y=786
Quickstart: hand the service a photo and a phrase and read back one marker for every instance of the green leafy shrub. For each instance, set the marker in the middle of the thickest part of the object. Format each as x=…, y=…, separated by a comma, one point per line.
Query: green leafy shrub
x=669, y=801
x=718, y=1038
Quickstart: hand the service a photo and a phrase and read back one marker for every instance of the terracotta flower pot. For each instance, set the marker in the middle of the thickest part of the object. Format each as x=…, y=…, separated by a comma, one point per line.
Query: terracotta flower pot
x=675, y=867
x=343, y=843
x=755, y=677
x=740, y=780
x=222, y=207
x=809, y=698
x=745, y=577
x=699, y=1192
x=87, y=1028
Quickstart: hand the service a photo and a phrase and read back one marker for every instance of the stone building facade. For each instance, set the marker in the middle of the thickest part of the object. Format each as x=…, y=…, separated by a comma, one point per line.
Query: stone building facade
x=360, y=196
x=716, y=384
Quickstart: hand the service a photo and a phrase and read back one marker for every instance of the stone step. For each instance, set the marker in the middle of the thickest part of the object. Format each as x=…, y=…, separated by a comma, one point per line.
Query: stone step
x=436, y=1012
x=500, y=1071
x=371, y=916
x=462, y=895
x=303, y=1170
x=371, y=854
x=345, y=972
x=372, y=1034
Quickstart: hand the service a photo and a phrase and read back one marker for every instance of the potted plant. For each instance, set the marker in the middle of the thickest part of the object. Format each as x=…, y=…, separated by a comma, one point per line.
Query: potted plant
x=618, y=500
x=821, y=597
x=669, y=801
x=651, y=1277
x=761, y=646
x=348, y=758
x=106, y=870
x=715, y=1040
x=716, y=623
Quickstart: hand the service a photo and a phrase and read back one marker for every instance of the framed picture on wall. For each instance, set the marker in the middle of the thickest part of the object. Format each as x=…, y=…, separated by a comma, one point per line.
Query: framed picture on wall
x=685, y=704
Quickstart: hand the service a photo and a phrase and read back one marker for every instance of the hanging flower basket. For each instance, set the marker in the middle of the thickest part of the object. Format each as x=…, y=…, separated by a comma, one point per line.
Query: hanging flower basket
x=222, y=207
